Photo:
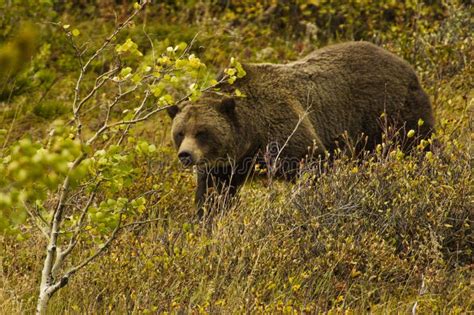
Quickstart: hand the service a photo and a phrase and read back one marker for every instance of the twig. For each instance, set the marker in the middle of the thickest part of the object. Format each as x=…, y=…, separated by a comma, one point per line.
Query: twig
x=137, y=112
x=35, y=222
x=300, y=120
x=106, y=126
x=65, y=278
x=62, y=255
x=40, y=216
x=99, y=82
x=141, y=222
x=77, y=104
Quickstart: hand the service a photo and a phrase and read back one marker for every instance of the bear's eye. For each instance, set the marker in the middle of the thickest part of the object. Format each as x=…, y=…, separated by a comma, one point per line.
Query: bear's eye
x=202, y=135
x=179, y=136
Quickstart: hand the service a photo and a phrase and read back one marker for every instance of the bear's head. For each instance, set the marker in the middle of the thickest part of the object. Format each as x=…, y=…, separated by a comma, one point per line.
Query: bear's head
x=204, y=132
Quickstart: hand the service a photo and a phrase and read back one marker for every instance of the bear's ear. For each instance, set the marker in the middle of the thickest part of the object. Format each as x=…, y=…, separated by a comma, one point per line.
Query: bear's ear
x=172, y=111
x=227, y=105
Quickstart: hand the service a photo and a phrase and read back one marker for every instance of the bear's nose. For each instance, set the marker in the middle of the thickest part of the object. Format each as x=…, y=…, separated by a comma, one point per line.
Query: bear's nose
x=186, y=158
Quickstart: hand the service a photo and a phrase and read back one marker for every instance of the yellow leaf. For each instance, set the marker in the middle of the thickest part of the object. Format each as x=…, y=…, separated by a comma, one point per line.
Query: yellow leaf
x=355, y=273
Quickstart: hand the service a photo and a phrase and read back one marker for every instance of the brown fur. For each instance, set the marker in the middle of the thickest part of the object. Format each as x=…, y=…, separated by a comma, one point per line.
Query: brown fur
x=342, y=88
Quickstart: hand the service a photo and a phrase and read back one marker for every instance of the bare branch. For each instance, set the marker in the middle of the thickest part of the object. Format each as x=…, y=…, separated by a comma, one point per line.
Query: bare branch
x=188, y=48
x=141, y=222
x=46, y=275
x=76, y=104
x=112, y=36
x=65, y=278
x=108, y=126
x=99, y=82
x=40, y=216
x=62, y=255
x=300, y=120
x=34, y=219
x=134, y=121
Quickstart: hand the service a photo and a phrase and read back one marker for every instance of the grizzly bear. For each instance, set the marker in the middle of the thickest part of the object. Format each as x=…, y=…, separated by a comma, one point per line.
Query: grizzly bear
x=288, y=109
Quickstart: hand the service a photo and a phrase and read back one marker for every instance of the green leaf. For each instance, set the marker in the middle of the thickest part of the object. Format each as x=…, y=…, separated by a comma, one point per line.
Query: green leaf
x=125, y=71
x=230, y=71
x=240, y=71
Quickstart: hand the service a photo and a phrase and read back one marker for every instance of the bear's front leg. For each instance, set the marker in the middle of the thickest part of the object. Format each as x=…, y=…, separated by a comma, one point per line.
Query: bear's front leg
x=201, y=192
x=224, y=181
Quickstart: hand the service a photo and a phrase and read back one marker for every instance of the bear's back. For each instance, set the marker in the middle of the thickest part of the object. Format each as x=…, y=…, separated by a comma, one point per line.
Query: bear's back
x=344, y=87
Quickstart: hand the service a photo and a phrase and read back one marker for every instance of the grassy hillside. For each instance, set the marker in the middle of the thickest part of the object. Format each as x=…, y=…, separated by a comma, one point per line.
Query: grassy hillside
x=387, y=233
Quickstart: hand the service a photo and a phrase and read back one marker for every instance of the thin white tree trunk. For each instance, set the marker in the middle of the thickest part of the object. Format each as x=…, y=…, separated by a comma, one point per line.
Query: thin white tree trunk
x=46, y=275
x=42, y=305
x=47, y=288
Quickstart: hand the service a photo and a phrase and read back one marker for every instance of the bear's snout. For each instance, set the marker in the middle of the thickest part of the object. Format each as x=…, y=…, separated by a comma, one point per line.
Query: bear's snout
x=189, y=152
x=186, y=158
